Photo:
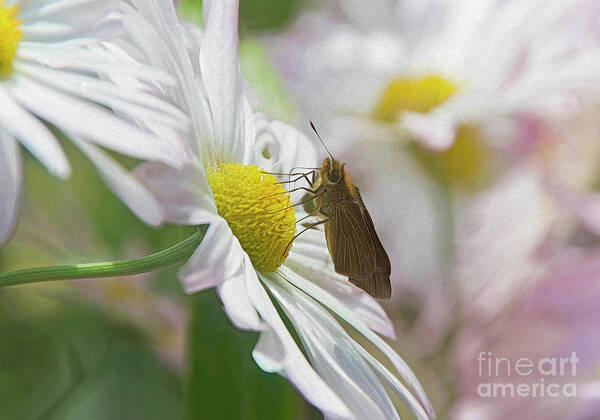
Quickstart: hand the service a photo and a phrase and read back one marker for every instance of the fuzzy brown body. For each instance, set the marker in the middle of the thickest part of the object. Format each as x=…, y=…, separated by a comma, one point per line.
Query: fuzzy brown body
x=353, y=244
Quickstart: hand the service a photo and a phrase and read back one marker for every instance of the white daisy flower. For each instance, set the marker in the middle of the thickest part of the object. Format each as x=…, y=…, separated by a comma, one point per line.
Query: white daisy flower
x=243, y=252
x=431, y=70
x=48, y=74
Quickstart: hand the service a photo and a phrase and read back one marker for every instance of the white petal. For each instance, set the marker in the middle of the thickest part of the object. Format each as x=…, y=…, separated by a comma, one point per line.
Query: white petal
x=76, y=11
x=59, y=33
x=314, y=263
x=395, y=385
x=53, y=31
x=10, y=185
x=585, y=206
x=163, y=11
x=193, y=36
x=125, y=186
x=234, y=295
x=327, y=66
x=94, y=123
x=296, y=148
x=357, y=128
x=287, y=358
x=333, y=354
x=247, y=151
x=32, y=134
x=155, y=31
x=183, y=193
x=266, y=148
x=87, y=60
x=56, y=20
x=347, y=315
x=221, y=75
x=500, y=232
x=280, y=148
x=269, y=351
x=134, y=103
x=379, y=14
x=434, y=132
x=218, y=258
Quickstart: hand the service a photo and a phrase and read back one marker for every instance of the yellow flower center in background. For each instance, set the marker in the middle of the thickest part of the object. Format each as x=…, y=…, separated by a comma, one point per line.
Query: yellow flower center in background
x=464, y=163
x=9, y=38
x=255, y=205
x=418, y=95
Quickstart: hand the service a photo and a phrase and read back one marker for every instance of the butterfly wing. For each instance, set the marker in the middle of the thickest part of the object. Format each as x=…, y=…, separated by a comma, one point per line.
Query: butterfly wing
x=356, y=250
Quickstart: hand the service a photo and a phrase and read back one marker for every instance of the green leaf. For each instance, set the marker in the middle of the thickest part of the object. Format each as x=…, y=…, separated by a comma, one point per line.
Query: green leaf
x=224, y=382
x=60, y=359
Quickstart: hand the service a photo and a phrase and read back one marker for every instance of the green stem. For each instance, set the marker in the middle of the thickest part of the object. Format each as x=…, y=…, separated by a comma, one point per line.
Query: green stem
x=177, y=253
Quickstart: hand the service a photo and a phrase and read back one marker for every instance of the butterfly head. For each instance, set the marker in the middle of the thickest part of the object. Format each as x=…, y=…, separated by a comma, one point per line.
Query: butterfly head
x=332, y=171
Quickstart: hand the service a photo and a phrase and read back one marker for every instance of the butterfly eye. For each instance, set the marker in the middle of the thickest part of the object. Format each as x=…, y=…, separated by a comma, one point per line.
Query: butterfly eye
x=333, y=176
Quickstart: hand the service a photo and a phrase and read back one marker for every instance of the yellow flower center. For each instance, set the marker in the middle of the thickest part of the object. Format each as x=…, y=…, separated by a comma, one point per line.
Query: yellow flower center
x=418, y=95
x=255, y=207
x=464, y=163
x=9, y=38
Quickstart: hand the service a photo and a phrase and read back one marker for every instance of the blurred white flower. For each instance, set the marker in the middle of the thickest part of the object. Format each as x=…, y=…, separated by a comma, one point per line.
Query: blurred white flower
x=47, y=74
x=243, y=254
x=429, y=69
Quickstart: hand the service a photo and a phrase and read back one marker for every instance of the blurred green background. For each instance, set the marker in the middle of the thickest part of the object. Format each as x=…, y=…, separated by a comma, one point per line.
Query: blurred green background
x=129, y=348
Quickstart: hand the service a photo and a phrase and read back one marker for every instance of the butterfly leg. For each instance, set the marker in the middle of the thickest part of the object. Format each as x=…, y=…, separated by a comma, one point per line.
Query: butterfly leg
x=289, y=191
x=311, y=226
x=314, y=213
x=297, y=204
x=302, y=188
x=305, y=176
x=290, y=174
x=292, y=190
x=287, y=173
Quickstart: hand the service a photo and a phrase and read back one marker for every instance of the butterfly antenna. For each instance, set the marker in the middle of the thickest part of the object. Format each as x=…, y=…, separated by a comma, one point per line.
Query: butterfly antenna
x=322, y=142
